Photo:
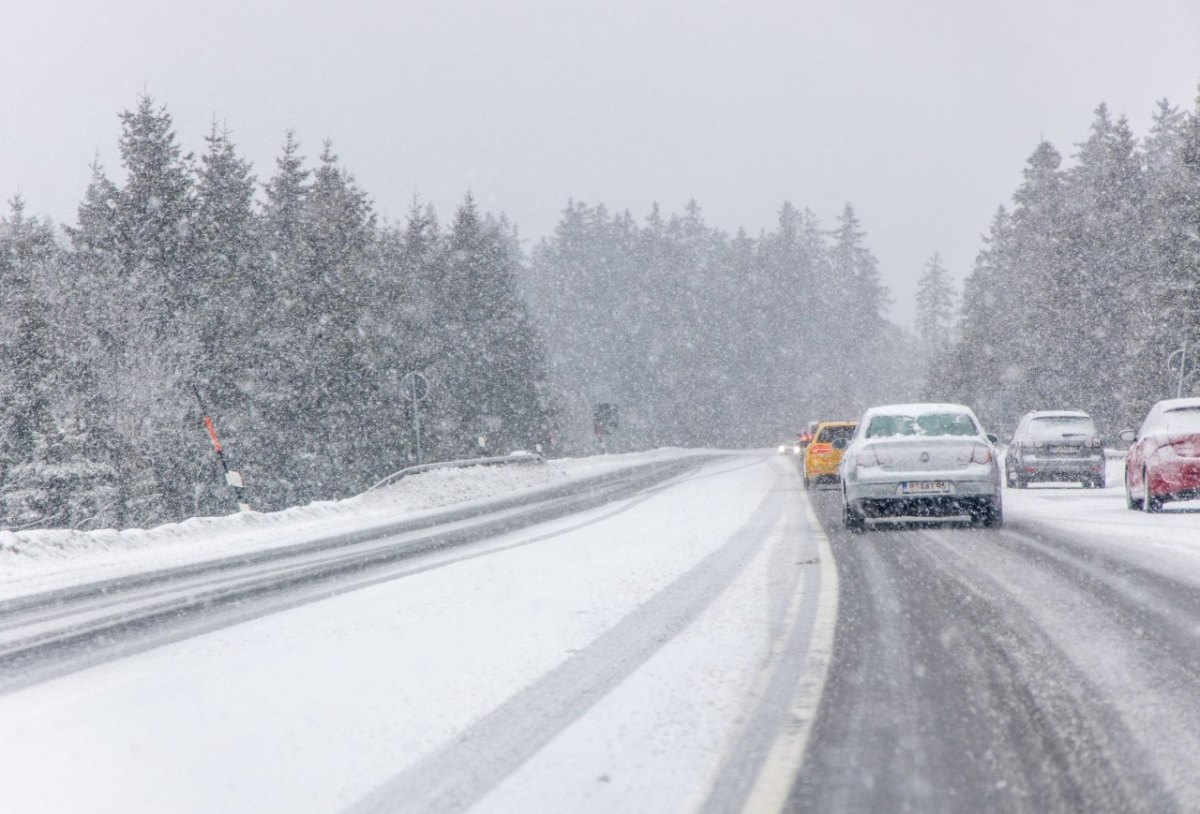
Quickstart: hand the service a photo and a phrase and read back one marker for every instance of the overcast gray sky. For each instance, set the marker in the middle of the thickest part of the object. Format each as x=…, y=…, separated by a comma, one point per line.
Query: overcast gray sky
x=919, y=113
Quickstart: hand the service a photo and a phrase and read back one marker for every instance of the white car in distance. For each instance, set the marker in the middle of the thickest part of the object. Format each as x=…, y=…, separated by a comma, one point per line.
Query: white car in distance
x=919, y=461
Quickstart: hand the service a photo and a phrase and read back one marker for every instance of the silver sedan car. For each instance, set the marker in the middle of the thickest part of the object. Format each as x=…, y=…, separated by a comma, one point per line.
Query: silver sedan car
x=917, y=461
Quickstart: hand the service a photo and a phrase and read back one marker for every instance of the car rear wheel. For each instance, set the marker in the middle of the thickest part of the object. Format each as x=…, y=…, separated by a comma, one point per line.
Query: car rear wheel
x=851, y=519
x=1130, y=503
x=1151, y=503
x=989, y=515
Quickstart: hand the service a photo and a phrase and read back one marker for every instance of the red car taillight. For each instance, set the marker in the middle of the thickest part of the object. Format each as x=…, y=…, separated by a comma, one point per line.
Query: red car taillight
x=1187, y=446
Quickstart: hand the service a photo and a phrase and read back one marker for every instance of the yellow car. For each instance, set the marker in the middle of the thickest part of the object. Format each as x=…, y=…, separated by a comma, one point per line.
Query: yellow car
x=821, y=459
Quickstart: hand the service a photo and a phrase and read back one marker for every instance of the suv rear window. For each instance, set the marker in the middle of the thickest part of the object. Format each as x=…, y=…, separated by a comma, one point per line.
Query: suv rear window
x=830, y=434
x=1183, y=419
x=1065, y=426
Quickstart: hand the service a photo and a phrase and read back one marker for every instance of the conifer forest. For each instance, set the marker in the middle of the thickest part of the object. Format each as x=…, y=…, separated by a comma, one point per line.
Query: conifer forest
x=283, y=305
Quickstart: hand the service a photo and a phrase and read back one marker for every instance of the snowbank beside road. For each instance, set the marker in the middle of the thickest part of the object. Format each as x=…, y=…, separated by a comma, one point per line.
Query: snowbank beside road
x=32, y=561
x=1167, y=542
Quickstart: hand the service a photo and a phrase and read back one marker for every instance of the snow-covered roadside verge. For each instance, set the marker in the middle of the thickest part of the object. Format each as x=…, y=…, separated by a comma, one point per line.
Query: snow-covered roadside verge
x=32, y=561
x=1166, y=542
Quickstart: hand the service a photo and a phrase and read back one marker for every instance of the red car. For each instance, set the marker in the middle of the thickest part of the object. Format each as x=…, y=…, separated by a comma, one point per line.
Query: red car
x=1164, y=461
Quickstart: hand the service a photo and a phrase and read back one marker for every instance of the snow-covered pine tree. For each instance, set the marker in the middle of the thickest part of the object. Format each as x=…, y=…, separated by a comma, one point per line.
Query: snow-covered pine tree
x=1155, y=297
x=155, y=207
x=348, y=402
x=935, y=306
x=276, y=364
x=233, y=304
x=47, y=476
x=1106, y=254
x=1033, y=357
x=854, y=274
x=976, y=370
x=149, y=384
x=399, y=337
x=29, y=368
x=492, y=366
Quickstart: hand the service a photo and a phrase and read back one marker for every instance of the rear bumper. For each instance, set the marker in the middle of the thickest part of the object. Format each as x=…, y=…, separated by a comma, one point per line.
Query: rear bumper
x=821, y=467
x=1052, y=469
x=1177, y=479
x=941, y=506
x=878, y=490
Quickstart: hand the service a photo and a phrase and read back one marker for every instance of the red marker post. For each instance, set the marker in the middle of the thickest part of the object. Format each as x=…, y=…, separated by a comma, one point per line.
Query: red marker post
x=232, y=478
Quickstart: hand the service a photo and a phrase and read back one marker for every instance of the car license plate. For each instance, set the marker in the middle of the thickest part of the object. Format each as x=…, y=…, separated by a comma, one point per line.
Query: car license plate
x=1062, y=450
x=925, y=487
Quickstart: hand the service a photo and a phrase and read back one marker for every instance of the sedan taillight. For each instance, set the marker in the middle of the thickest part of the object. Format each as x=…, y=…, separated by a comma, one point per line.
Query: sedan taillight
x=981, y=454
x=976, y=454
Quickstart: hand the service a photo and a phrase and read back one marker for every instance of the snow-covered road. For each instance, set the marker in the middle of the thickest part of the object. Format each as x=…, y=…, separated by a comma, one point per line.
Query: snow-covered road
x=662, y=651
x=674, y=631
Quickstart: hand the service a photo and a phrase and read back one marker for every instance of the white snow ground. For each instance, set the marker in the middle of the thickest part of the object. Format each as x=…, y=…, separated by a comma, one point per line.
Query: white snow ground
x=314, y=708
x=1166, y=542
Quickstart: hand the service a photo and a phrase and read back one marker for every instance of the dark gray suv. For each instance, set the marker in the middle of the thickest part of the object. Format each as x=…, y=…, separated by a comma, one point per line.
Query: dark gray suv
x=1055, y=445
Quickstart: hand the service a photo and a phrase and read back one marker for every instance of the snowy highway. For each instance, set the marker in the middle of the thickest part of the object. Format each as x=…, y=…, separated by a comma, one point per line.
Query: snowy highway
x=676, y=632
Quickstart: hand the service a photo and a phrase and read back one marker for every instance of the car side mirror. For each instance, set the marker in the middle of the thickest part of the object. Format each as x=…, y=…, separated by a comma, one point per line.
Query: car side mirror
x=839, y=443
x=1128, y=436
x=993, y=438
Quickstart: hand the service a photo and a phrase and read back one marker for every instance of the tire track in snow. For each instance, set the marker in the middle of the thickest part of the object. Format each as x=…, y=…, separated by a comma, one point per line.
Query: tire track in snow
x=762, y=765
x=51, y=635
x=949, y=693
x=462, y=771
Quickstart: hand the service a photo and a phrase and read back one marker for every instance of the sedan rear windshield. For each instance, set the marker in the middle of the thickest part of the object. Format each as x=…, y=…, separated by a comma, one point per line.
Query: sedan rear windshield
x=830, y=434
x=1183, y=419
x=928, y=424
x=1062, y=427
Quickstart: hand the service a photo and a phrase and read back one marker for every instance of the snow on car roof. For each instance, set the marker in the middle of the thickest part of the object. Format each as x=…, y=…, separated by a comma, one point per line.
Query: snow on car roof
x=1058, y=414
x=917, y=409
x=1174, y=404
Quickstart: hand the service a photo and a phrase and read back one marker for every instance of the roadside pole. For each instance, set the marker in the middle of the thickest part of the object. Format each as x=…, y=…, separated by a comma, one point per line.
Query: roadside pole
x=1182, y=370
x=234, y=479
x=604, y=423
x=414, y=387
x=1183, y=365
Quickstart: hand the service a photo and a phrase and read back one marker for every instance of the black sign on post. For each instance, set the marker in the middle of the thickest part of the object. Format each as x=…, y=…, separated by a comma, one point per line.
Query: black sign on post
x=414, y=386
x=605, y=419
